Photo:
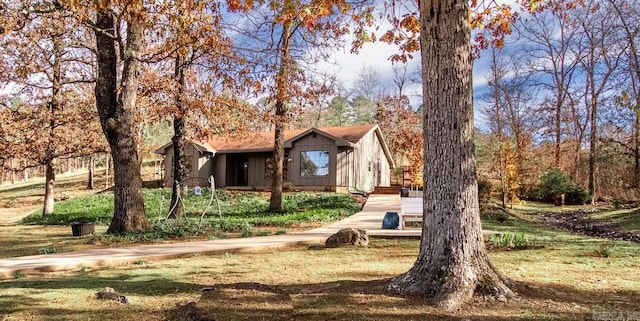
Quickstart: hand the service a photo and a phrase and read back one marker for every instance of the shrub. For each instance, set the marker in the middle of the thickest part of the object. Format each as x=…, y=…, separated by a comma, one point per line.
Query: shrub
x=577, y=195
x=247, y=230
x=555, y=182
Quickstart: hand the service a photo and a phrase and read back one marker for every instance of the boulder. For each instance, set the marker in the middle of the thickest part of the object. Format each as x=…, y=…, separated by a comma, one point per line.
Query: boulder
x=110, y=294
x=348, y=236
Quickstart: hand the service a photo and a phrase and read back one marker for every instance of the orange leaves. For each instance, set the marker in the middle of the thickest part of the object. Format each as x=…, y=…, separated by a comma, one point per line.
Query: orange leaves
x=410, y=23
x=240, y=5
x=493, y=23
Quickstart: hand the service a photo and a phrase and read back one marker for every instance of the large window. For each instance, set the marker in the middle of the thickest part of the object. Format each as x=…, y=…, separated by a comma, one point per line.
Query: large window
x=314, y=163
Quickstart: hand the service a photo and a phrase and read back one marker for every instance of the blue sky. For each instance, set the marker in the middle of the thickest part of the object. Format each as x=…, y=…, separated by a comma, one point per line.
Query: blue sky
x=347, y=65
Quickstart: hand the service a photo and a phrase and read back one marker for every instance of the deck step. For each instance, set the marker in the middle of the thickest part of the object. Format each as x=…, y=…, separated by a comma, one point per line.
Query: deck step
x=387, y=190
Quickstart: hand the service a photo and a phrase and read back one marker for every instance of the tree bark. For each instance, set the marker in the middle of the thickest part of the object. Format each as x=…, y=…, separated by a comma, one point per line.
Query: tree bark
x=116, y=107
x=280, y=119
x=50, y=178
x=176, y=208
x=636, y=147
x=592, y=150
x=452, y=263
x=54, y=106
x=92, y=169
x=558, y=131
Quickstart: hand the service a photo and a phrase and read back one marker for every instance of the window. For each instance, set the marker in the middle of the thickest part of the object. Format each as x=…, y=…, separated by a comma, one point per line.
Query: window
x=314, y=163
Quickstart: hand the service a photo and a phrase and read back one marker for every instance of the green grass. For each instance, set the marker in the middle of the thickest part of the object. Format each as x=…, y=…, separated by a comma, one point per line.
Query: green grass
x=627, y=219
x=559, y=282
x=237, y=208
x=536, y=207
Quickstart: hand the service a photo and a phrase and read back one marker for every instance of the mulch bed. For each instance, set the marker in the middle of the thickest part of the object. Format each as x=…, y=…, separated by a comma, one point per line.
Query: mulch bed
x=580, y=222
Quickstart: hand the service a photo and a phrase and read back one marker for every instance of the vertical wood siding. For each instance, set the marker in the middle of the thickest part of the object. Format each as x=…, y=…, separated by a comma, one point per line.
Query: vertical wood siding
x=310, y=143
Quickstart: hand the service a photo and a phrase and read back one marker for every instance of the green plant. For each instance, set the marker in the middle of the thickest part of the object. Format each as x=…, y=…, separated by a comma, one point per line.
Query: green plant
x=513, y=241
x=605, y=249
x=247, y=230
x=556, y=182
x=577, y=195
x=50, y=249
x=617, y=204
x=281, y=232
x=236, y=207
x=263, y=233
x=18, y=275
x=217, y=235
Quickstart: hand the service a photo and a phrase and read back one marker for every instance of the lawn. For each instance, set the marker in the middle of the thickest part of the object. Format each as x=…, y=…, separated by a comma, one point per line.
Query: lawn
x=562, y=276
x=566, y=280
x=243, y=214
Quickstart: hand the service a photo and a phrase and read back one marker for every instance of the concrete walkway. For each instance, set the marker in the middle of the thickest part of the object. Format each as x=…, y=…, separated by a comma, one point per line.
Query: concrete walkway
x=370, y=219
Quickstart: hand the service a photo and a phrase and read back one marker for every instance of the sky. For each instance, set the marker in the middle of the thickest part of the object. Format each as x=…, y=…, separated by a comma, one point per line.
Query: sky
x=347, y=65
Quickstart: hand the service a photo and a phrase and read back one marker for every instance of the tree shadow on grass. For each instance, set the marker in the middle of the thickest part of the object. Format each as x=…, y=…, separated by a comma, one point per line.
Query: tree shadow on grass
x=150, y=284
x=367, y=300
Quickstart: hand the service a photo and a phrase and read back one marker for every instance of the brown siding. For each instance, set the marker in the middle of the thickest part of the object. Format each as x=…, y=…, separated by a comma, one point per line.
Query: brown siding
x=371, y=167
x=168, y=166
x=205, y=169
x=218, y=168
x=343, y=167
x=311, y=143
x=257, y=170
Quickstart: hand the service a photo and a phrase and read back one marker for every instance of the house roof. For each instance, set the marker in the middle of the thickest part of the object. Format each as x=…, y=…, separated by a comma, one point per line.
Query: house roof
x=263, y=141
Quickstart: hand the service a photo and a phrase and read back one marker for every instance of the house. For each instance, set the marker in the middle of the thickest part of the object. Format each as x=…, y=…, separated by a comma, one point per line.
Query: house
x=346, y=158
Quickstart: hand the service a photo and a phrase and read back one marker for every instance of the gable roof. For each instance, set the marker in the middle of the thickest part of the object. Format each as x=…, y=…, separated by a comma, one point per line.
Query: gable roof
x=263, y=141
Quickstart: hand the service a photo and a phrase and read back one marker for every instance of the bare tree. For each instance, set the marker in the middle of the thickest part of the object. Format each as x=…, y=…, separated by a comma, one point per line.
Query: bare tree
x=602, y=51
x=550, y=36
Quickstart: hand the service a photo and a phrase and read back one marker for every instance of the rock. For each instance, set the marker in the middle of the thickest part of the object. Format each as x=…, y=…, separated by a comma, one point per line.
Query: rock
x=348, y=236
x=110, y=294
x=502, y=298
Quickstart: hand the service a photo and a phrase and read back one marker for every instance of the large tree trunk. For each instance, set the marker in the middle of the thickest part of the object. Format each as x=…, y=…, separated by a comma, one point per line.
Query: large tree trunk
x=176, y=208
x=558, y=130
x=54, y=106
x=280, y=119
x=92, y=170
x=275, y=202
x=452, y=263
x=636, y=147
x=50, y=178
x=593, y=145
x=116, y=107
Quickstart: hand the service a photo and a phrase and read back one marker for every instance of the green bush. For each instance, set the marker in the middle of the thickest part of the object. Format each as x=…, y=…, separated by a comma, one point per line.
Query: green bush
x=247, y=230
x=577, y=195
x=555, y=182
